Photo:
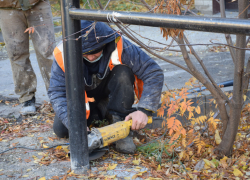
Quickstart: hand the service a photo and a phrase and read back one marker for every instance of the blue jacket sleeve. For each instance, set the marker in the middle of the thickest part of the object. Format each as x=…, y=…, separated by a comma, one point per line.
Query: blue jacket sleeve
x=57, y=93
x=148, y=71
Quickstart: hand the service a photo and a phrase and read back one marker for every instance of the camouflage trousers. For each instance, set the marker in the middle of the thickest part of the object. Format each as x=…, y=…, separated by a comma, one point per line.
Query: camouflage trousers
x=13, y=24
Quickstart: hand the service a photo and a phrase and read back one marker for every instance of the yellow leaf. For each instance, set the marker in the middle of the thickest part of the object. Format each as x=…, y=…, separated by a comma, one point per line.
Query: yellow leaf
x=43, y=178
x=237, y=172
x=217, y=137
x=244, y=97
x=28, y=170
x=34, y=157
x=111, y=167
x=209, y=163
x=181, y=155
x=191, y=176
x=159, y=167
x=59, y=147
x=25, y=176
x=188, y=83
x=72, y=172
x=136, y=162
x=47, y=121
x=65, y=148
x=40, y=153
x=127, y=178
x=198, y=110
x=244, y=167
x=44, y=146
x=110, y=177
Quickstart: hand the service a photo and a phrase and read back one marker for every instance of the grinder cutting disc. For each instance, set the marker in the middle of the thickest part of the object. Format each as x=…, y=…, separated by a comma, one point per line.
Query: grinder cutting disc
x=97, y=153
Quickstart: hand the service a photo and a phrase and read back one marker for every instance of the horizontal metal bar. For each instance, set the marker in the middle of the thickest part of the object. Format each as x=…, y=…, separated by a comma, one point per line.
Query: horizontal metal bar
x=197, y=23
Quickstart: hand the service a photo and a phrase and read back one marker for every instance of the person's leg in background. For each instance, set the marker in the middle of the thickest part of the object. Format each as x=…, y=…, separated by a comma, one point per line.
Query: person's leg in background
x=43, y=38
x=13, y=24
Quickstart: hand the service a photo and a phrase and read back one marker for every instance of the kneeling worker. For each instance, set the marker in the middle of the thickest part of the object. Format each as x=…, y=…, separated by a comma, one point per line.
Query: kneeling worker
x=114, y=70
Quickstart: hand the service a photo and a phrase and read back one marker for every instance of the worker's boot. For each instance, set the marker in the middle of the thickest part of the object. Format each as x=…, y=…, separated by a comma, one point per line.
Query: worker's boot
x=29, y=107
x=125, y=145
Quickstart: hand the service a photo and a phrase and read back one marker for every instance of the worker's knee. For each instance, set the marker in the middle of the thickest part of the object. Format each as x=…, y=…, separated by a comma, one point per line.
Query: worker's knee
x=59, y=129
x=122, y=74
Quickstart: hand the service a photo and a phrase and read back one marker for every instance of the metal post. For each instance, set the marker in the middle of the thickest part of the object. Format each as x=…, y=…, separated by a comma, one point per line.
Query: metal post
x=196, y=23
x=75, y=89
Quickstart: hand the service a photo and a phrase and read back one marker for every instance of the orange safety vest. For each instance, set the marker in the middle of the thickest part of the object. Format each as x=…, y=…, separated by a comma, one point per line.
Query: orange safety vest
x=116, y=59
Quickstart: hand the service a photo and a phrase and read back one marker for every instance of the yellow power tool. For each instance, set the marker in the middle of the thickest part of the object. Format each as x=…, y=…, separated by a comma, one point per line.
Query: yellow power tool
x=101, y=137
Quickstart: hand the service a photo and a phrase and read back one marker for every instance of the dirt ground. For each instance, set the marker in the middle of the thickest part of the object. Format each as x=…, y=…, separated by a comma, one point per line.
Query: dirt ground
x=36, y=132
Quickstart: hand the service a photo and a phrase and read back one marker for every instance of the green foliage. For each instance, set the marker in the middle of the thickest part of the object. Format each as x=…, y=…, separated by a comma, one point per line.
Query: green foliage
x=57, y=23
x=157, y=150
x=133, y=5
x=99, y=123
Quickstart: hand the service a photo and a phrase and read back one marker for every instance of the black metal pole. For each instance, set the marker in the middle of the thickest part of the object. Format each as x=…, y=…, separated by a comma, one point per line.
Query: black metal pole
x=197, y=23
x=79, y=155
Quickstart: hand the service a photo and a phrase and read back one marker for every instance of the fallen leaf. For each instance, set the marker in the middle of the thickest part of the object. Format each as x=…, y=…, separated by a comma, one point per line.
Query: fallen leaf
x=136, y=162
x=44, y=146
x=111, y=177
x=199, y=166
x=111, y=167
x=27, y=160
x=237, y=172
x=55, y=177
x=209, y=163
x=217, y=137
x=43, y=178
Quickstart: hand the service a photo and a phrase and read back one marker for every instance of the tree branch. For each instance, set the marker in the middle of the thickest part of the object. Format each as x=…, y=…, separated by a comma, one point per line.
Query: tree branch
x=100, y=4
x=227, y=36
x=148, y=50
x=195, y=72
x=146, y=4
x=206, y=71
x=246, y=77
x=225, y=147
